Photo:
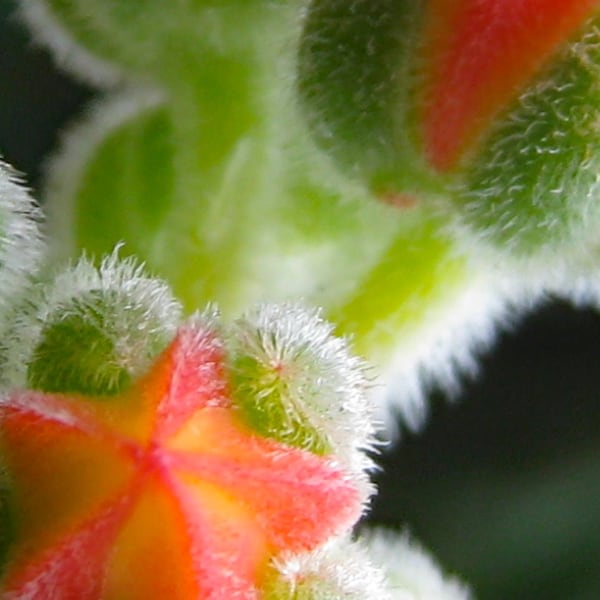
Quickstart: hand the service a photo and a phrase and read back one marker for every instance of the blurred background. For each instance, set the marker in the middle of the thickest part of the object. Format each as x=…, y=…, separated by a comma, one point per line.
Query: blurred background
x=503, y=483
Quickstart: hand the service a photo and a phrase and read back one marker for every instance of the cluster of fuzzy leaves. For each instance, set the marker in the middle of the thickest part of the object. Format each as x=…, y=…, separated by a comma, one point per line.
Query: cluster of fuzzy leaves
x=237, y=450
x=245, y=148
x=132, y=459
x=216, y=184
x=231, y=194
x=107, y=351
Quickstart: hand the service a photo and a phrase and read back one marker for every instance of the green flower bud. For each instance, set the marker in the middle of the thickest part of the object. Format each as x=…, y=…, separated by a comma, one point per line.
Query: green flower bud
x=90, y=331
x=294, y=382
x=488, y=110
x=341, y=570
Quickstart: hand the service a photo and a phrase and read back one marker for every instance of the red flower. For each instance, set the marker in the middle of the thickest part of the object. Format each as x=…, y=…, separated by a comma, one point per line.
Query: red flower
x=161, y=492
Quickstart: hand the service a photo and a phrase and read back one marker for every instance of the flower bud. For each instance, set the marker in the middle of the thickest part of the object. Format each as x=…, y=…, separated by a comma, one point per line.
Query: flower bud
x=91, y=330
x=164, y=490
x=486, y=107
x=293, y=381
x=342, y=570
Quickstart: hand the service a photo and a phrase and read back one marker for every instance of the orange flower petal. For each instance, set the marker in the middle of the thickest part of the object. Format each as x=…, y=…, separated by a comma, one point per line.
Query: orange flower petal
x=152, y=555
x=60, y=468
x=230, y=549
x=300, y=499
x=73, y=569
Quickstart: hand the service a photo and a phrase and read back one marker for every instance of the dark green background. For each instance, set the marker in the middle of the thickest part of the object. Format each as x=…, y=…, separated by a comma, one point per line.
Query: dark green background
x=502, y=484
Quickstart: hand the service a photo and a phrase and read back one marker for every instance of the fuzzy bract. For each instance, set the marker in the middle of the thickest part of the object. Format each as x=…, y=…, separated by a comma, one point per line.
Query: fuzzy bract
x=341, y=570
x=91, y=329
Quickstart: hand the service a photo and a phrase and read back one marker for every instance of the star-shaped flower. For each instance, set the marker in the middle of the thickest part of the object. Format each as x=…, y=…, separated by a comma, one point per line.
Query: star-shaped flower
x=163, y=491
